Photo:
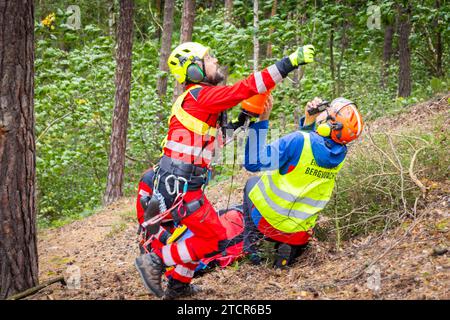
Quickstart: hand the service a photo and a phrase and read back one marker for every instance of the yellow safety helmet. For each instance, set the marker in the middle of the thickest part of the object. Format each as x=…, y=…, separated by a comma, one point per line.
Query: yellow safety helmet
x=182, y=62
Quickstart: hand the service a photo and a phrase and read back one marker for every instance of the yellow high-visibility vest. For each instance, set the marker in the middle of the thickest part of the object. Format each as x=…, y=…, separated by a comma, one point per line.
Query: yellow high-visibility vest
x=290, y=202
x=188, y=120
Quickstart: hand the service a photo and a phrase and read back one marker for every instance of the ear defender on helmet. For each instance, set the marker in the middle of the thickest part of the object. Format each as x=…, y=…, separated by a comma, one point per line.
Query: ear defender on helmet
x=194, y=73
x=324, y=129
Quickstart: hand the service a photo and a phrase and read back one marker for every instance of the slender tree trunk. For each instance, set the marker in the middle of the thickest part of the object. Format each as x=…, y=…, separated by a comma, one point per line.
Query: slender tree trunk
x=118, y=141
x=387, y=53
x=111, y=19
x=404, y=78
x=187, y=26
x=158, y=5
x=42, y=9
x=269, y=44
x=255, y=35
x=228, y=10
x=187, y=21
x=210, y=4
x=439, y=51
x=296, y=73
x=299, y=72
x=332, y=66
x=166, y=42
x=18, y=249
x=439, y=44
x=344, y=46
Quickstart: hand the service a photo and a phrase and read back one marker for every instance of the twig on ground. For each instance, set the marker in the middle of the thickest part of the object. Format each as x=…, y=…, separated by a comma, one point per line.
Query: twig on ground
x=37, y=288
x=402, y=178
x=413, y=177
x=381, y=150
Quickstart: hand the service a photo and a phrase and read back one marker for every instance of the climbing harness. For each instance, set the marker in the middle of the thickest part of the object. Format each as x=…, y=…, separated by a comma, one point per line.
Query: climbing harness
x=177, y=203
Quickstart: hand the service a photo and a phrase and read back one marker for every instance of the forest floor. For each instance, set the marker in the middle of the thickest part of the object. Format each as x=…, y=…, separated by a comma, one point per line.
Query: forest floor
x=411, y=260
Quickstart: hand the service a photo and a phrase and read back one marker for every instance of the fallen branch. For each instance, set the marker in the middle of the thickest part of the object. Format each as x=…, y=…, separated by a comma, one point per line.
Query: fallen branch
x=413, y=176
x=381, y=150
x=153, y=16
x=37, y=288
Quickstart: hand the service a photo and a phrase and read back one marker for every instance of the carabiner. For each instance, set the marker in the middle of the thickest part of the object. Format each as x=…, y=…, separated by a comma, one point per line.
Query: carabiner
x=175, y=184
x=185, y=186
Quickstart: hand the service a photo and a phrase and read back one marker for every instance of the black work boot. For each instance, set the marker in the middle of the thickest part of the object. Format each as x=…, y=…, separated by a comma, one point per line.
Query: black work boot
x=177, y=289
x=284, y=256
x=150, y=268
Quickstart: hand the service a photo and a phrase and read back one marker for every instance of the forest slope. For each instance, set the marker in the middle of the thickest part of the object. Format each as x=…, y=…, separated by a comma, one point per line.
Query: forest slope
x=412, y=259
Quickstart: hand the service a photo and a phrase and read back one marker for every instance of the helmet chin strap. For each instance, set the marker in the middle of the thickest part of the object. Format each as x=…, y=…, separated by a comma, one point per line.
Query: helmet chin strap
x=205, y=78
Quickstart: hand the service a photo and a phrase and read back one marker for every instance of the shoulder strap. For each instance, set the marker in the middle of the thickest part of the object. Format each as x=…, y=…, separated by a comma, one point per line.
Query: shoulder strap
x=188, y=120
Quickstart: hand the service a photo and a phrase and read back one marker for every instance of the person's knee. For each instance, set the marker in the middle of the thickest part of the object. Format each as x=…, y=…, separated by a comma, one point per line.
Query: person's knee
x=248, y=187
x=201, y=247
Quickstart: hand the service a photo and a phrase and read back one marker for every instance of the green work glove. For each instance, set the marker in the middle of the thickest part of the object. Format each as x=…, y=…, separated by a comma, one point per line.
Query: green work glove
x=302, y=55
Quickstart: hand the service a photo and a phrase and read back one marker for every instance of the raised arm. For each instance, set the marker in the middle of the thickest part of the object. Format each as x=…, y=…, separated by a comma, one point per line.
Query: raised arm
x=220, y=98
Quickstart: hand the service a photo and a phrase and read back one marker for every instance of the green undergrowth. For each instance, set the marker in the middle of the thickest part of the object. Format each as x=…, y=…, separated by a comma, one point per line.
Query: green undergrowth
x=75, y=88
x=378, y=186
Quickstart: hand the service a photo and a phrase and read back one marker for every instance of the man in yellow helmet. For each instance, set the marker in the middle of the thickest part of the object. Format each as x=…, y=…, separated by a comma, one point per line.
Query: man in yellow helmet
x=188, y=151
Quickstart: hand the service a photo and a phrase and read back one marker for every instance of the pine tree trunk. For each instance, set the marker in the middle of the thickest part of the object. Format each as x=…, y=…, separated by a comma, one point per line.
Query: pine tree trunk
x=118, y=141
x=18, y=249
x=166, y=42
x=187, y=21
x=387, y=53
x=255, y=35
x=404, y=79
x=187, y=26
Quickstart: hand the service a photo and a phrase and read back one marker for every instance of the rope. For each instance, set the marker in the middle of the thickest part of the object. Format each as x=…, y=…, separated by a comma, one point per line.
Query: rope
x=178, y=201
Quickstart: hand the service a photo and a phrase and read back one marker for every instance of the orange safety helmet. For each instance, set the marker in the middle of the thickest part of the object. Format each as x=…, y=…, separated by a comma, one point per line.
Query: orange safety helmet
x=254, y=106
x=343, y=123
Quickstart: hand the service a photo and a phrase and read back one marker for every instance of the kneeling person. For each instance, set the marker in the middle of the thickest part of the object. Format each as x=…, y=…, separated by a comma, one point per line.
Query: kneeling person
x=179, y=277
x=283, y=204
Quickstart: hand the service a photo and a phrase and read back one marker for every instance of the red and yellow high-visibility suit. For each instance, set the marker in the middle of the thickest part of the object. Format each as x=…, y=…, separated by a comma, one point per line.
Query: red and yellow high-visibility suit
x=205, y=103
